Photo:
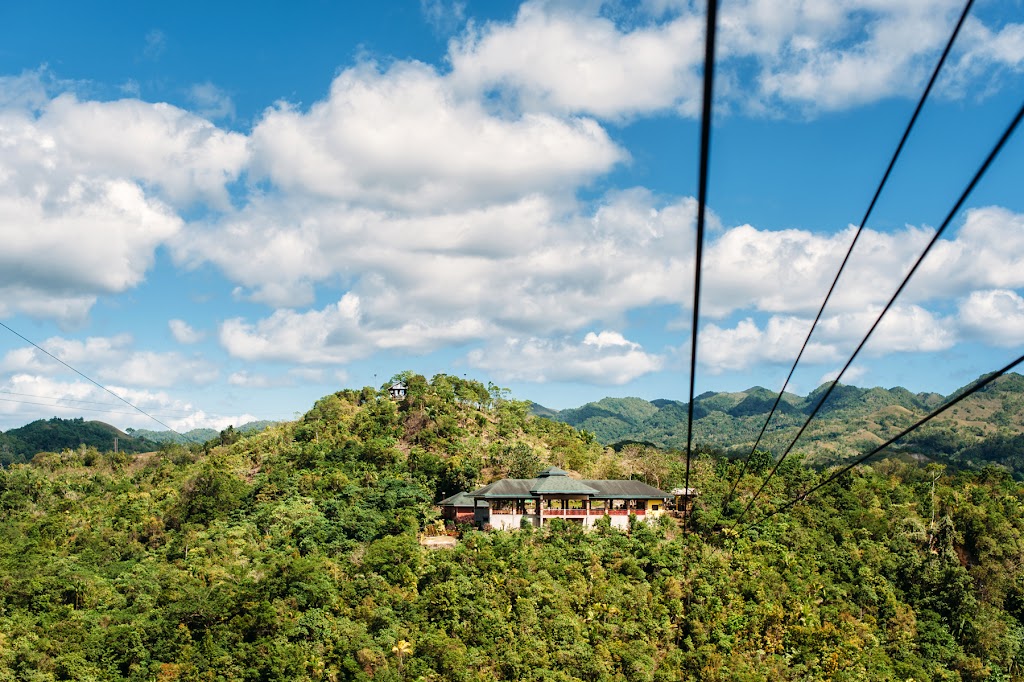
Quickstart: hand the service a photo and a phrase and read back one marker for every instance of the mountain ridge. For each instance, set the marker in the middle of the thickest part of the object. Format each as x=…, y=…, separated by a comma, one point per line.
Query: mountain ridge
x=852, y=418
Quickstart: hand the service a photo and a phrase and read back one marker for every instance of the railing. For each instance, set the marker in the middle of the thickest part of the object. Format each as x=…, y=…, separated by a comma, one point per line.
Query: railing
x=593, y=512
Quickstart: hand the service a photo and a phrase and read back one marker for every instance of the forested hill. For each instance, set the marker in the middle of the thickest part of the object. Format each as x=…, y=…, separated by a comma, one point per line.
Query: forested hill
x=986, y=427
x=197, y=435
x=54, y=435
x=292, y=554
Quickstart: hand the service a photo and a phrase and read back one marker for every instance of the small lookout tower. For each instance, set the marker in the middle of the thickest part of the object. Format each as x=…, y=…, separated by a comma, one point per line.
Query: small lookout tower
x=398, y=390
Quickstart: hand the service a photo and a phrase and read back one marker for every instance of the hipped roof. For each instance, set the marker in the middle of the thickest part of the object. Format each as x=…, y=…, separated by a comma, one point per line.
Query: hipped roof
x=554, y=481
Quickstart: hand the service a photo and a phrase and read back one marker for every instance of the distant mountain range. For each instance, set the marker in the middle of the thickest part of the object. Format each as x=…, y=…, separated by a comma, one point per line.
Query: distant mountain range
x=985, y=427
x=55, y=435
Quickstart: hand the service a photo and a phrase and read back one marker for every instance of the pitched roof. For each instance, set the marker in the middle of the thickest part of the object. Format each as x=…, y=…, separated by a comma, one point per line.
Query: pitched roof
x=561, y=484
x=457, y=500
x=621, y=489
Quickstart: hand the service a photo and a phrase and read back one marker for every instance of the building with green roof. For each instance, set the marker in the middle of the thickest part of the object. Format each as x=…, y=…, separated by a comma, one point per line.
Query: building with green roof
x=553, y=494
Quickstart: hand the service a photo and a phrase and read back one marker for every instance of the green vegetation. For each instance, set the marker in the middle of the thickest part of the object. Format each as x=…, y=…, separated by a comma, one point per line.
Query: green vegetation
x=979, y=431
x=292, y=554
x=53, y=435
x=195, y=435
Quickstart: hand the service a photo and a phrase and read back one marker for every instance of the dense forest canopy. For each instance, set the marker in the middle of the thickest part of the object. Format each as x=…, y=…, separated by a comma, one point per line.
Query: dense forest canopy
x=54, y=435
x=981, y=430
x=293, y=554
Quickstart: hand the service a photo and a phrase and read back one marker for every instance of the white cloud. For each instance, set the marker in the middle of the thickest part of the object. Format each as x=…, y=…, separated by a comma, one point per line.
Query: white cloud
x=995, y=317
x=340, y=333
x=403, y=139
x=604, y=358
x=84, y=188
x=25, y=397
x=746, y=345
x=183, y=333
x=245, y=379
x=903, y=329
x=812, y=56
x=92, y=351
x=853, y=375
x=146, y=368
x=553, y=58
x=443, y=16
x=110, y=359
x=185, y=156
x=211, y=102
x=525, y=265
x=327, y=336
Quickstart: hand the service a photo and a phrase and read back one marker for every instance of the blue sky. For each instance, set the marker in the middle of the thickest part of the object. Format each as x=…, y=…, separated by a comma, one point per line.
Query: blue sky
x=224, y=215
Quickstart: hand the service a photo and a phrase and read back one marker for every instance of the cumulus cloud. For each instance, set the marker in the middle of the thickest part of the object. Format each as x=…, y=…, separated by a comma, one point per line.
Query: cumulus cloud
x=340, y=333
x=112, y=360
x=553, y=58
x=810, y=56
x=25, y=397
x=903, y=329
x=745, y=345
x=183, y=333
x=401, y=138
x=246, y=379
x=995, y=316
x=519, y=269
x=86, y=193
x=605, y=358
x=211, y=102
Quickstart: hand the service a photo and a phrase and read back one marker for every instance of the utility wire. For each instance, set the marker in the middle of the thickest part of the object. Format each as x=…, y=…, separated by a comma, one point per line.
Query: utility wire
x=69, y=407
x=939, y=410
x=72, y=400
x=945, y=223
x=702, y=195
x=856, y=236
x=92, y=381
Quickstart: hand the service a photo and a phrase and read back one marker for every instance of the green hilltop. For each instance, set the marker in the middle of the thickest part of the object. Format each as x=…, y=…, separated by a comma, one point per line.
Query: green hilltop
x=294, y=553
x=982, y=429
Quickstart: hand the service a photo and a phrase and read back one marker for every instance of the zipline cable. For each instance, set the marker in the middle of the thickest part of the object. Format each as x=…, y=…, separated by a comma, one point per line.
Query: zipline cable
x=71, y=407
x=936, y=412
x=856, y=236
x=73, y=400
x=702, y=195
x=938, y=233
x=93, y=381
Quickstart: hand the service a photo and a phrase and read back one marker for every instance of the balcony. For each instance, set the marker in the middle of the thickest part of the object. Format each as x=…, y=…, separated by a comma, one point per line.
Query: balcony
x=592, y=512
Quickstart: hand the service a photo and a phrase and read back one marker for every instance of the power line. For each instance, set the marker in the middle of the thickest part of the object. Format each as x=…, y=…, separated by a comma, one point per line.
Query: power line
x=856, y=236
x=92, y=381
x=936, y=412
x=702, y=192
x=73, y=400
x=945, y=223
x=70, y=407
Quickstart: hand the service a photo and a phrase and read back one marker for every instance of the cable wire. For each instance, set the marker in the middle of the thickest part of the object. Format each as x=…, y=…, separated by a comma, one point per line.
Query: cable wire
x=70, y=407
x=702, y=195
x=936, y=412
x=856, y=236
x=945, y=223
x=74, y=400
x=93, y=381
